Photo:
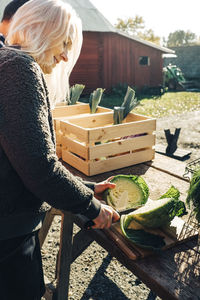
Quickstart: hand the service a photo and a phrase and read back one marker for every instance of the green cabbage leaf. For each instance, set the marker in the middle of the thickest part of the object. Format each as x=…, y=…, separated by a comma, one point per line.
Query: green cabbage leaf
x=143, y=238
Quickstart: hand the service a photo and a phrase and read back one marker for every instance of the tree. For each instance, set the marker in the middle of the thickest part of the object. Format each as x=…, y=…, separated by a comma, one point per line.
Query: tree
x=149, y=35
x=181, y=38
x=130, y=25
x=136, y=26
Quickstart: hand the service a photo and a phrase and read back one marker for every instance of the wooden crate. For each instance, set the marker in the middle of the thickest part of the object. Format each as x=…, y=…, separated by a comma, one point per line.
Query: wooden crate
x=93, y=145
x=64, y=112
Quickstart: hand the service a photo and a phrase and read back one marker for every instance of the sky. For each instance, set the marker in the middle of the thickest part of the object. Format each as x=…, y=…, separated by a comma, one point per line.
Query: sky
x=163, y=17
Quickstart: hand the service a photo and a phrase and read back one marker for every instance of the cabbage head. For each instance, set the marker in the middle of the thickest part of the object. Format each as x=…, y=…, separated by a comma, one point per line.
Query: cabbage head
x=131, y=192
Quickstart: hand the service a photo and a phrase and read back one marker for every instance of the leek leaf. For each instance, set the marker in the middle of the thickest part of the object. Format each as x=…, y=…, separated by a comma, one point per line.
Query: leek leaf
x=118, y=115
x=129, y=103
x=95, y=98
x=75, y=92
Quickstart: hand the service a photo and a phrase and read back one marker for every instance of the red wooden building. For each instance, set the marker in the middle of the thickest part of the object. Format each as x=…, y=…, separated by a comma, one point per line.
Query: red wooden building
x=109, y=57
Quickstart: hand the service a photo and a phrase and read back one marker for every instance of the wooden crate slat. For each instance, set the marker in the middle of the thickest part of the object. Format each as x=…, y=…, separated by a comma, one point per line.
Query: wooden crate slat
x=132, y=117
x=69, y=110
x=120, y=146
x=75, y=147
x=64, y=104
x=79, y=132
x=118, y=162
x=93, y=120
x=96, y=167
x=99, y=111
x=59, y=151
x=83, y=110
x=75, y=161
x=109, y=132
x=58, y=138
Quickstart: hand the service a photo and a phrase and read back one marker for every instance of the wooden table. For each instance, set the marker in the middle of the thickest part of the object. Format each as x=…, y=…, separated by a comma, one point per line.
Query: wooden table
x=173, y=274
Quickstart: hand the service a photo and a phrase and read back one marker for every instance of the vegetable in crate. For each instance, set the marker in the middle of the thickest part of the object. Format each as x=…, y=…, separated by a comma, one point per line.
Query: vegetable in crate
x=193, y=196
x=118, y=115
x=95, y=98
x=157, y=213
x=131, y=191
x=129, y=103
x=75, y=92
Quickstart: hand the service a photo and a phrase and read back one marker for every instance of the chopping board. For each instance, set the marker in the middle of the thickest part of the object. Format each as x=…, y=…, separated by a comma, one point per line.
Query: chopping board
x=178, y=231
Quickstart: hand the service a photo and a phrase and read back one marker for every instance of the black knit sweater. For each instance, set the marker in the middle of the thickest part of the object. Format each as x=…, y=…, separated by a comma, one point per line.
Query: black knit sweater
x=30, y=174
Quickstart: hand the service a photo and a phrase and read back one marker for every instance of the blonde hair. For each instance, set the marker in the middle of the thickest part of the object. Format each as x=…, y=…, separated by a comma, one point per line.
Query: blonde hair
x=40, y=25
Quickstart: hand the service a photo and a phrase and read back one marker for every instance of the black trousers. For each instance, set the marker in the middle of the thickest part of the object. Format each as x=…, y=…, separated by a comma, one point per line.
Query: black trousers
x=21, y=274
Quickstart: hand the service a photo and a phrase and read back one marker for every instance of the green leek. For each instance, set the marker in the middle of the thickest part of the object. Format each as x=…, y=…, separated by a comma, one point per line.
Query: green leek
x=75, y=92
x=95, y=98
x=118, y=114
x=129, y=103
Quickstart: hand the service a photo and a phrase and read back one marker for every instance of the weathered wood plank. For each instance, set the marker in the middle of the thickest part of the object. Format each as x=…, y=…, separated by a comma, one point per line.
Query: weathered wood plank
x=168, y=165
x=175, y=270
x=45, y=227
x=65, y=257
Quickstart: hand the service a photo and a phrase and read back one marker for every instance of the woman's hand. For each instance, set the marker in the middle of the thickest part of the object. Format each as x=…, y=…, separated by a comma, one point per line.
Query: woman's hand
x=101, y=187
x=106, y=217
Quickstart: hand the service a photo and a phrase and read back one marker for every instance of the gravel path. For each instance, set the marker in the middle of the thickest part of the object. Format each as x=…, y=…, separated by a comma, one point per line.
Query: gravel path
x=95, y=275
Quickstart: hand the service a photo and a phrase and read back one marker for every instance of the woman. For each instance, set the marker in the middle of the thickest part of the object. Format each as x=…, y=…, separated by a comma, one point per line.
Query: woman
x=42, y=34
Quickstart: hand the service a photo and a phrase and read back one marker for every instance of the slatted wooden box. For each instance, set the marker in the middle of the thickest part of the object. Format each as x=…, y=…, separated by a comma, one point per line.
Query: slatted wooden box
x=93, y=145
x=64, y=112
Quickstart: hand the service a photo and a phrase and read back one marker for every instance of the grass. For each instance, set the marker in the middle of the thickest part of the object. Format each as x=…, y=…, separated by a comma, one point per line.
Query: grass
x=171, y=103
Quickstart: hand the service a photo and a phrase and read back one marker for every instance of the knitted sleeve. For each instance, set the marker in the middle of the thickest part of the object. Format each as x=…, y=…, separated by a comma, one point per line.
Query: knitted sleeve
x=27, y=139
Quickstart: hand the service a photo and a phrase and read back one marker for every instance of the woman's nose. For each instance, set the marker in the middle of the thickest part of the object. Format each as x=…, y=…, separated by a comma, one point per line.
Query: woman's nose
x=64, y=57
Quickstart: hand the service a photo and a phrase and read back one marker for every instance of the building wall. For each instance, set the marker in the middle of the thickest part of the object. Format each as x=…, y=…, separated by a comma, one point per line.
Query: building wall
x=107, y=59
x=121, y=62
x=87, y=68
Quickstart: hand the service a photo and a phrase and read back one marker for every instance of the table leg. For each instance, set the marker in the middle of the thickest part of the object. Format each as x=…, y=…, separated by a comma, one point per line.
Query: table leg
x=65, y=256
x=45, y=227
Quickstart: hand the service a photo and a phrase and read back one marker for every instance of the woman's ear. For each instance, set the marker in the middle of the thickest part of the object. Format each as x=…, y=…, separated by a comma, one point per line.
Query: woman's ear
x=4, y=27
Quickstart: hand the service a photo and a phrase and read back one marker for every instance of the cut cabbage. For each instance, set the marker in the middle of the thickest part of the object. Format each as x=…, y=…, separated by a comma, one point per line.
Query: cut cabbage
x=142, y=238
x=130, y=192
x=156, y=213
